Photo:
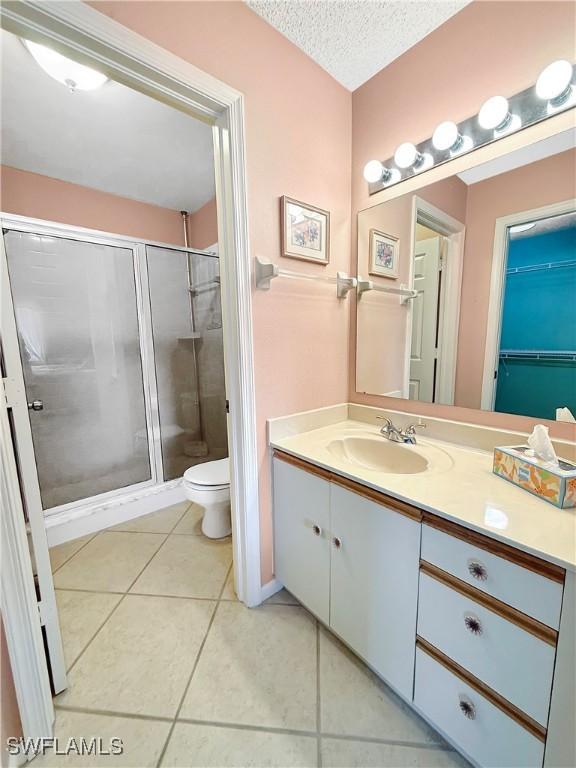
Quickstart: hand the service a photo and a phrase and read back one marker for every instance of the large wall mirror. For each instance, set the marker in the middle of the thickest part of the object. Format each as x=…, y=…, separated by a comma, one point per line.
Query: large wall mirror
x=486, y=264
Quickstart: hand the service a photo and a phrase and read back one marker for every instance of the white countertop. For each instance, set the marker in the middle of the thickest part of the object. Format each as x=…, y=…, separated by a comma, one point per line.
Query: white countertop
x=459, y=485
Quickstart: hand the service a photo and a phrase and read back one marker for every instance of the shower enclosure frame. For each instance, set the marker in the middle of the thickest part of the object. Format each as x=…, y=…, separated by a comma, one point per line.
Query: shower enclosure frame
x=156, y=483
x=78, y=30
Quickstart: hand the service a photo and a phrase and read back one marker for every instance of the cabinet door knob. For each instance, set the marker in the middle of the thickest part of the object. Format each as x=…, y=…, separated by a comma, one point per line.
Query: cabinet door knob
x=477, y=570
x=467, y=707
x=473, y=624
x=337, y=542
x=316, y=530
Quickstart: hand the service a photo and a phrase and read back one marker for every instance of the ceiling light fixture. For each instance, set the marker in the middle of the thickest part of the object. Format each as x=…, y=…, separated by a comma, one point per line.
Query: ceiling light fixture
x=554, y=82
x=76, y=77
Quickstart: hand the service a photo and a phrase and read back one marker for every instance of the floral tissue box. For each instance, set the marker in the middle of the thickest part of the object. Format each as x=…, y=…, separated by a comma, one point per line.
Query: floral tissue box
x=556, y=484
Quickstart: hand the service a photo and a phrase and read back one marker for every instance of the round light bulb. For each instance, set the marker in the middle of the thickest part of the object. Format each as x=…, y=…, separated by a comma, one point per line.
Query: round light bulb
x=373, y=171
x=406, y=155
x=446, y=136
x=494, y=113
x=554, y=80
x=66, y=71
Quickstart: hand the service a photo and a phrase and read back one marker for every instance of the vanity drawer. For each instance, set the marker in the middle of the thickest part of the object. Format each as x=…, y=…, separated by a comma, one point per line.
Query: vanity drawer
x=465, y=713
x=535, y=588
x=509, y=658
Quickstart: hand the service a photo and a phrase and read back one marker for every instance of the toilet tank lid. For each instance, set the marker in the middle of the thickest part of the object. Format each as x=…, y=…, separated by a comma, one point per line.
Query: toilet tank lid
x=209, y=473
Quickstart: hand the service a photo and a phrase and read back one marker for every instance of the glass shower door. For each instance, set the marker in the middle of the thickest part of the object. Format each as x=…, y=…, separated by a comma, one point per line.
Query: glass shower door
x=77, y=319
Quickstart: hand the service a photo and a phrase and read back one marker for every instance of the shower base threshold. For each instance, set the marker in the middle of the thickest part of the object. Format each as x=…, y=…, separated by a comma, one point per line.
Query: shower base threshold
x=69, y=524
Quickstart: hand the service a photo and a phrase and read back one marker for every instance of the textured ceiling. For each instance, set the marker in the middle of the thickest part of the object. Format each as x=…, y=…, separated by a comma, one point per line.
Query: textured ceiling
x=112, y=139
x=354, y=39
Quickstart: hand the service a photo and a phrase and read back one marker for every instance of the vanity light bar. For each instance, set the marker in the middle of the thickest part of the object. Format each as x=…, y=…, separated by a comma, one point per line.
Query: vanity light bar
x=554, y=92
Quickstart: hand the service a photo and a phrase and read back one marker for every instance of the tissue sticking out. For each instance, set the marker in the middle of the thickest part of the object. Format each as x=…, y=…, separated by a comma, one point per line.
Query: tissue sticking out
x=541, y=445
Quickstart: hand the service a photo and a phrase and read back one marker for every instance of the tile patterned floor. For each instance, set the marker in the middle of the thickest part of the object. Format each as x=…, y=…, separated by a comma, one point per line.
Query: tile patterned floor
x=162, y=655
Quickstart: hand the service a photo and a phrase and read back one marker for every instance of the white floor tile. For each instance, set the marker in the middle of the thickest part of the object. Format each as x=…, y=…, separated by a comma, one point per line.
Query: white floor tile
x=282, y=598
x=258, y=667
x=354, y=702
x=81, y=614
x=201, y=746
x=142, y=741
x=141, y=660
x=109, y=562
x=162, y=521
x=229, y=592
x=340, y=753
x=191, y=523
x=62, y=552
x=187, y=566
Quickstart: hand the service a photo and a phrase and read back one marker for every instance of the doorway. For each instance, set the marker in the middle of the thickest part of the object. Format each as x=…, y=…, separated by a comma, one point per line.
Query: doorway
x=436, y=276
x=530, y=366
x=78, y=30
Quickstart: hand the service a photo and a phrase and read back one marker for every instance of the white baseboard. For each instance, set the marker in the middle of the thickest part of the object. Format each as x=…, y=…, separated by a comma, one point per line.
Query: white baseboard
x=71, y=524
x=269, y=589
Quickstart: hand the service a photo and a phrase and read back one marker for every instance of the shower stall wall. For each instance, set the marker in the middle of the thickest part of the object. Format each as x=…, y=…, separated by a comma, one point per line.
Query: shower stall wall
x=121, y=350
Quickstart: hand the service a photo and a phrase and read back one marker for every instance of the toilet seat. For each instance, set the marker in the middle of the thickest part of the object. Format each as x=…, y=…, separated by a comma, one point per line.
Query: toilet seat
x=208, y=485
x=212, y=474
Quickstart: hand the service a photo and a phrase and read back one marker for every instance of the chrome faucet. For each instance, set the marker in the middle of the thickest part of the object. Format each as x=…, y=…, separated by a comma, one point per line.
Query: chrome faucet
x=395, y=435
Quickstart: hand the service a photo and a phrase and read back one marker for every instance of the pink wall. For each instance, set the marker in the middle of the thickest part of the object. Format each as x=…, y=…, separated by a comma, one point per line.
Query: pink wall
x=487, y=48
x=298, y=136
x=203, y=226
x=42, y=197
x=548, y=181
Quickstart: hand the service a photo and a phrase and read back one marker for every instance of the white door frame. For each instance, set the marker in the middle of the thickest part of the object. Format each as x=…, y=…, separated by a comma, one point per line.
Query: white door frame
x=495, y=305
x=92, y=38
x=425, y=213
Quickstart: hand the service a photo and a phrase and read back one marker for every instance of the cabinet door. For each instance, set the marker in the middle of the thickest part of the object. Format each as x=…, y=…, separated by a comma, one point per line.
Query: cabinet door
x=374, y=584
x=301, y=536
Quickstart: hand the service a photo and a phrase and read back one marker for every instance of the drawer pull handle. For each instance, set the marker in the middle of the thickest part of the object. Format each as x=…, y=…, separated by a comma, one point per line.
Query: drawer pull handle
x=473, y=624
x=317, y=530
x=477, y=570
x=467, y=708
x=337, y=542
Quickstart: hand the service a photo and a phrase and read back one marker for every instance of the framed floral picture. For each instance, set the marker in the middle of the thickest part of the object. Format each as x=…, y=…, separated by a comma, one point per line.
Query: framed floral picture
x=384, y=250
x=305, y=231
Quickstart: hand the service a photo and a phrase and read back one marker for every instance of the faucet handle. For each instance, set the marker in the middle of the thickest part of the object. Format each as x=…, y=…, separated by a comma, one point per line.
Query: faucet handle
x=411, y=428
x=384, y=418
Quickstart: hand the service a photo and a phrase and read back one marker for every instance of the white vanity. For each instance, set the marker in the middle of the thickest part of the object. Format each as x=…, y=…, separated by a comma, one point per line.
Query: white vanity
x=455, y=587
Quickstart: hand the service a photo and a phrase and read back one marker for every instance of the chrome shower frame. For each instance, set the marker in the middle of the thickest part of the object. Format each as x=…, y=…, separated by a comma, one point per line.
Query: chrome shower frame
x=156, y=483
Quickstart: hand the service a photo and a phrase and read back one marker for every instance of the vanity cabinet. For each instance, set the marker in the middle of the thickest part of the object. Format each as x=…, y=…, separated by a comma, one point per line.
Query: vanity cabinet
x=352, y=561
x=374, y=583
x=478, y=635
x=301, y=535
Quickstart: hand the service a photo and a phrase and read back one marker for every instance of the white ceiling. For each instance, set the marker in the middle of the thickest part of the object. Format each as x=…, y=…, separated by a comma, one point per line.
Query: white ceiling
x=112, y=139
x=355, y=39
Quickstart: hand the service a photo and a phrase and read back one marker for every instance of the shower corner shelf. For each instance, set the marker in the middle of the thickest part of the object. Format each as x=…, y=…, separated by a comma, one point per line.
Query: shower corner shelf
x=192, y=337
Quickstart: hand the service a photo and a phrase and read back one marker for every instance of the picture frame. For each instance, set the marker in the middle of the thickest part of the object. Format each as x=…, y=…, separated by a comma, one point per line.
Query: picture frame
x=305, y=231
x=384, y=254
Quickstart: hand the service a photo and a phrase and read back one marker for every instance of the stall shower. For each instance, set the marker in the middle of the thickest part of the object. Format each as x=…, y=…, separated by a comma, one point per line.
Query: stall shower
x=122, y=355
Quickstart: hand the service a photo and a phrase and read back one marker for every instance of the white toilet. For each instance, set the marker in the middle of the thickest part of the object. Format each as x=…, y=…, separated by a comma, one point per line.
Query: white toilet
x=209, y=486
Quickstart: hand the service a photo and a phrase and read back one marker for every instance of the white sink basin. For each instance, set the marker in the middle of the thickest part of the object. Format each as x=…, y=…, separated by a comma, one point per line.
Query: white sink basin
x=383, y=455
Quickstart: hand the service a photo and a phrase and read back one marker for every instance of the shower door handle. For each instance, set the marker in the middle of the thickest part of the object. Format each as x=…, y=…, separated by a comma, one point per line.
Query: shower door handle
x=36, y=405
